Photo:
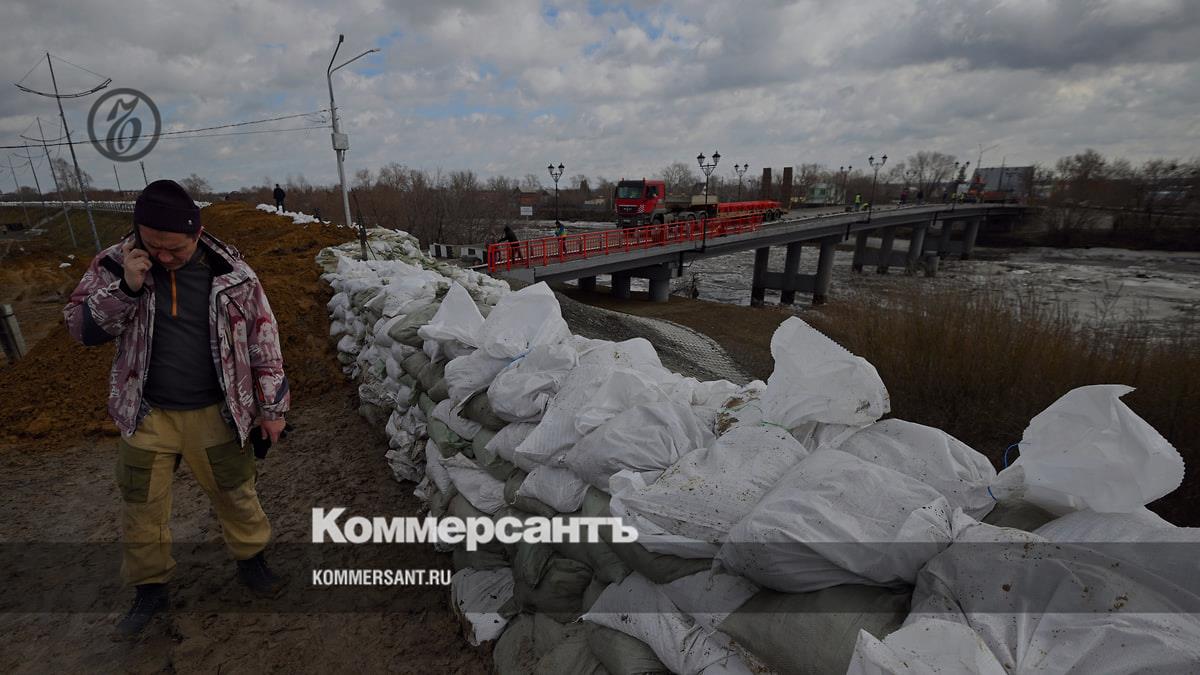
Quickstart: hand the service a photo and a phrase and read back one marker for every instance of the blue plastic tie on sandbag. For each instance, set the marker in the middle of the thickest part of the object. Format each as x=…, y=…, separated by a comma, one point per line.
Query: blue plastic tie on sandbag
x=1004, y=460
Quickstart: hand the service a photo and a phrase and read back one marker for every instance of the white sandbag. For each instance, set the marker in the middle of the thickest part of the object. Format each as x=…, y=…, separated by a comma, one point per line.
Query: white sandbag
x=477, y=596
x=478, y=486
x=925, y=647
x=622, y=390
x=741, y=408
x=556, y=433
x=635, y=353
x=650, y=535
x=348, y=344
x=837, y=519
x=817, y=380
x=457, y=319
x=1089, y=450
x=933, y=457
x=709, y=597
x=403, y=467
x=468, y=374
x=522, y=391
x=465, y=428
x=706, y=492
x=1043, y=607
x=504, y=443
x=521, y=321
x=1141, y=539
x=640, y=609
x=556, y=487
x=644, y=438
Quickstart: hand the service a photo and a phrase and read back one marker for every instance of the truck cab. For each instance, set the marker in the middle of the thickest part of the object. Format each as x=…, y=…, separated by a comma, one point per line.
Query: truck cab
x=637, y=202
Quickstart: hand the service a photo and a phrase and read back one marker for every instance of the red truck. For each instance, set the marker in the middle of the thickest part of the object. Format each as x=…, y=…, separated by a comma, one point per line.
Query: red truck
x=645, y=202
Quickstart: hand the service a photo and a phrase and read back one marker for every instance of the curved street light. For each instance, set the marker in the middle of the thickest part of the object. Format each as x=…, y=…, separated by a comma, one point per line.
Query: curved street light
x=341, y=142
x=707, y=168
x=740, y=171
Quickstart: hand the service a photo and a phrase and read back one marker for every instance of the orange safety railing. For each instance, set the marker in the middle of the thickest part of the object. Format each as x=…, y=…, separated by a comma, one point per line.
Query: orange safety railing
x=549, y=250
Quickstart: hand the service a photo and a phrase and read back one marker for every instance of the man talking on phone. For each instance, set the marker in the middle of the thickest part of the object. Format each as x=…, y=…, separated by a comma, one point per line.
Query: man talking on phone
x=198, y=367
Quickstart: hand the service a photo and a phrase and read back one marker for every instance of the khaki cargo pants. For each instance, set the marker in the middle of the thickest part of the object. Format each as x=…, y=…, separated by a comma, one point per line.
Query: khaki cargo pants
x=146, y=464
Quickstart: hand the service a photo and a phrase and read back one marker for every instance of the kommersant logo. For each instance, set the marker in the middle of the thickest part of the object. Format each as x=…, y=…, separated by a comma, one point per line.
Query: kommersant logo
x=327, y=527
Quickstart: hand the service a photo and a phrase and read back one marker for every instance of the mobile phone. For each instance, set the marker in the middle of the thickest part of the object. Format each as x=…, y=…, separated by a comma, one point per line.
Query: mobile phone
x=137, y=239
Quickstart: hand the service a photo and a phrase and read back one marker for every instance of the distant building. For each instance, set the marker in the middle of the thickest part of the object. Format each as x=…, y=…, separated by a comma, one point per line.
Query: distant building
x=1014, y=180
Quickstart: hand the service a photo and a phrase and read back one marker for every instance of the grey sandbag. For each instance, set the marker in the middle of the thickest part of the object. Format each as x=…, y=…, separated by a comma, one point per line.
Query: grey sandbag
x=440, y=391
x=478, y=408
x=448, y=443
x=413, y=363
x=592, y=592
x=1018, y=514
x=572, y=655
x=408, y=380
x=405, y=331
x=524, y=642
x=426, y=405
x=433, y=380
x=605, y=564
x=551, y=585
x=480, y=559
x=496, y=466
x=439, y=502
x=460, y=507
x=812, y=633
x=656, y=567
x=527, y=504
x=621, y=654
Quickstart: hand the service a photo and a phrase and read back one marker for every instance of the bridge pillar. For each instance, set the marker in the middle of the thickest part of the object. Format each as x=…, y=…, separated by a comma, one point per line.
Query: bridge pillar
x=824, y=269
x=944, y=238
x=791, y=267
x=620, y=285
x=969, y=236
x=758, y=289
x=587, y=284
x=916, y=248
x=885, y=250
x=860, y=251
x=660, y=290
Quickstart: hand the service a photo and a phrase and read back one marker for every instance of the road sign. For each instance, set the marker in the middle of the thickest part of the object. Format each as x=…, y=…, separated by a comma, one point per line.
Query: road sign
x=527, y=210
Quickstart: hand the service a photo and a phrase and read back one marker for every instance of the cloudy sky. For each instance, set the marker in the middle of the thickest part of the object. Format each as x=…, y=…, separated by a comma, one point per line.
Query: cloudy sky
x=617, y=89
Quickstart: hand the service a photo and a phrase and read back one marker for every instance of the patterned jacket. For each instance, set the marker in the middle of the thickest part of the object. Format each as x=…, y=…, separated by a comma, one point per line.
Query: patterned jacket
x=243, y=335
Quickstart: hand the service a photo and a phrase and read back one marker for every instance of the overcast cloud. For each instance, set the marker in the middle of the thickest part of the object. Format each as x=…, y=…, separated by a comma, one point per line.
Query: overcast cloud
x=620, y=89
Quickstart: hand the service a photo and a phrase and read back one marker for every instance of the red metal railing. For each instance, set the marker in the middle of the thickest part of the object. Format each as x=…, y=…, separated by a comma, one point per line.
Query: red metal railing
x=549, y=250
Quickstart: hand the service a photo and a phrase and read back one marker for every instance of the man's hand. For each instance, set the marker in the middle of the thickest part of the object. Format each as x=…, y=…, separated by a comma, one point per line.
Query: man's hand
x=272, y=428
x=137, y=263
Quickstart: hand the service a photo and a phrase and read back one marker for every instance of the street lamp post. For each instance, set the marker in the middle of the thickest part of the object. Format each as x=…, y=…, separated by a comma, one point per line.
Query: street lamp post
x=707, y=168
x=845, y=171
x=874, y=180
x=740, y=171
x=341, y=142
x=555, y=173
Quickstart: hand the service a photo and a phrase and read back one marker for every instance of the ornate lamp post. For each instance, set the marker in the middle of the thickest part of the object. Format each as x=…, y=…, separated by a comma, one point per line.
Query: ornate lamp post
x=874, y=180
x=740, y=171
x=707, y=168
x=555, y=173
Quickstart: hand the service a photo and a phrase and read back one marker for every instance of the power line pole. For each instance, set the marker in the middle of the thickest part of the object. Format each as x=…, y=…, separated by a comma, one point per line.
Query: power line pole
x=57, y=187
x=36, y=183
x=87, y=205
x=144, y=179
x=120, y=192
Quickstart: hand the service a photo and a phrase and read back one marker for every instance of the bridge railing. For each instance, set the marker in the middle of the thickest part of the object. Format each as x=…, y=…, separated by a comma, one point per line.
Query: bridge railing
x=548, y=250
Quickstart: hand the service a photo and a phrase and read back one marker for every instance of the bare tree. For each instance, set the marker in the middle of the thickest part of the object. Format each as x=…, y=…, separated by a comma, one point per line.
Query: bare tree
x=67, y=179
x=196, y=186
x=678, y=177
x=932, y=169
x=531, y=182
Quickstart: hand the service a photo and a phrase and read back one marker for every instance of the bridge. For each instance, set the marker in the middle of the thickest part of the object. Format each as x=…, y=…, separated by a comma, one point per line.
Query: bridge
x=659, y=252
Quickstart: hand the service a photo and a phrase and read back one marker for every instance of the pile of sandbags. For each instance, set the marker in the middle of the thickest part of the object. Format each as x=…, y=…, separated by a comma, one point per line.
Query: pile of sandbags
x=780, y=526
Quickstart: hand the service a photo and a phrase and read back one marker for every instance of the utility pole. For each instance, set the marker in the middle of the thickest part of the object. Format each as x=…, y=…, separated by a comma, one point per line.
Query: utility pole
x=87, y=205
x=120, y=192
x=144, y=179
x=58, y=188
x=341, y=142
x=36, y=183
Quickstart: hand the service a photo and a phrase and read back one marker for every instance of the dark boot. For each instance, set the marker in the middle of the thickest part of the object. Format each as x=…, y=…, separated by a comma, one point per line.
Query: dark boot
x=151, y=600
x=259, y=578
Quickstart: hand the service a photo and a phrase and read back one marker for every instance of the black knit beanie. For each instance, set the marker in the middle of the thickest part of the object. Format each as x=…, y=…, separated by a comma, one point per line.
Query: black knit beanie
x=165, y=205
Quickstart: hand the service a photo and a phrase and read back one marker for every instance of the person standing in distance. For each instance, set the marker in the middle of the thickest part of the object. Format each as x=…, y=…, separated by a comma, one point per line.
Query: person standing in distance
x=198, y=366
x=278, y=194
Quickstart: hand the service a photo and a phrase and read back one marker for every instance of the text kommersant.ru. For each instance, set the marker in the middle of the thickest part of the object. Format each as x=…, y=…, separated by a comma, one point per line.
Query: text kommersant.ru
x=328, y=527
